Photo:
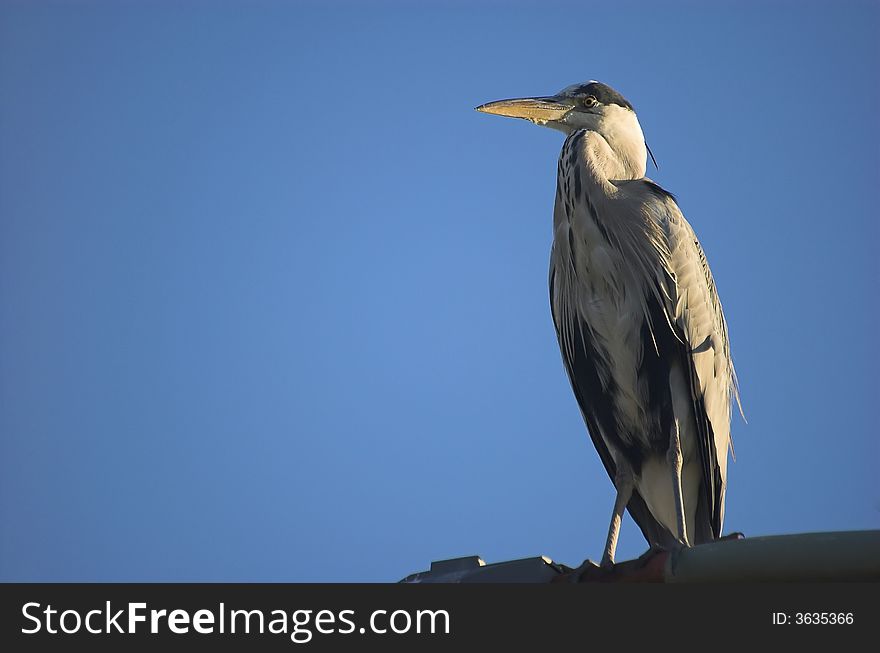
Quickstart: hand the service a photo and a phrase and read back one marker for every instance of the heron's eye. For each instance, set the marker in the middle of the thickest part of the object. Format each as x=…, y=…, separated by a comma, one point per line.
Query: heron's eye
x=590, y=101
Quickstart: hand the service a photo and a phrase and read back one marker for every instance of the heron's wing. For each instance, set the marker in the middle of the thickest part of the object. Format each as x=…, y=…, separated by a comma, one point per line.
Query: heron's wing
x=693, y=311
x=579, y=357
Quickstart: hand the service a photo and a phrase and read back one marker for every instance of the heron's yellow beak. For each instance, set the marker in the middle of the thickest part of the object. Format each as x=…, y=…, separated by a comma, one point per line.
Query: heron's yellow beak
x=537, y=110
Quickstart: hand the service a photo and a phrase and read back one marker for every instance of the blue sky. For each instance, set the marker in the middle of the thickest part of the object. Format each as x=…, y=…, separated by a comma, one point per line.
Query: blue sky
x=273, y=297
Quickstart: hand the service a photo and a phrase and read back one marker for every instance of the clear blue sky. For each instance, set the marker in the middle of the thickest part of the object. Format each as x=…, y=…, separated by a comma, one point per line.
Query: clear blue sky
x=273, y=297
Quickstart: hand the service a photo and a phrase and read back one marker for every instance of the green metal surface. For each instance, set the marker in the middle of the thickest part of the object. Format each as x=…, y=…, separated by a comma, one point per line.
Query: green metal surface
x=839, y=556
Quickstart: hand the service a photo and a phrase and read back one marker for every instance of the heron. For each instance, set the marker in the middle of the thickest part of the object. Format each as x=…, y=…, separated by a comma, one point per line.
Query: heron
x=638, y=319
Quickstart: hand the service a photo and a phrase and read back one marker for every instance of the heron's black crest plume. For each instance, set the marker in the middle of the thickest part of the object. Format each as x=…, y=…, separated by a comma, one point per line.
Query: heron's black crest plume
x=652, y=156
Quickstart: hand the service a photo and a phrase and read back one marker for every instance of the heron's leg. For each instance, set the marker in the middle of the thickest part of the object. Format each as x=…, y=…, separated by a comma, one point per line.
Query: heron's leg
x=674, y=457
x=623, y=481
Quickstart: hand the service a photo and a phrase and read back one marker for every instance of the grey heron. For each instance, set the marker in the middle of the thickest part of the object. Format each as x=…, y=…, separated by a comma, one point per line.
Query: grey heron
x=638, y=319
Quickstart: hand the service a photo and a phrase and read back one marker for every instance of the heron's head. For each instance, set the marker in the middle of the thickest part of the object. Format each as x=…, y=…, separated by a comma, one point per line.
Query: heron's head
x=590, y=105
x=593, y=106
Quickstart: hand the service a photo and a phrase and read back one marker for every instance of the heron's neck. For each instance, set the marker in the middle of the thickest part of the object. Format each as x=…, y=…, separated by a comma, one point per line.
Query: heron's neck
x=612, y=159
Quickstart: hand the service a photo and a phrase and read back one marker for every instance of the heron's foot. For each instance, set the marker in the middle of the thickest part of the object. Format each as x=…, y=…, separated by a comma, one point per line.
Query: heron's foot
x=654, y=551
x=732, y=536
x=648, y=568
x=588, y=570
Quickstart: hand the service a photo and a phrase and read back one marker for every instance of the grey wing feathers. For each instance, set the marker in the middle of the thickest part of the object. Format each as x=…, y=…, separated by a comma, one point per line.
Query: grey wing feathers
x=584, y=382
x=695, y=313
